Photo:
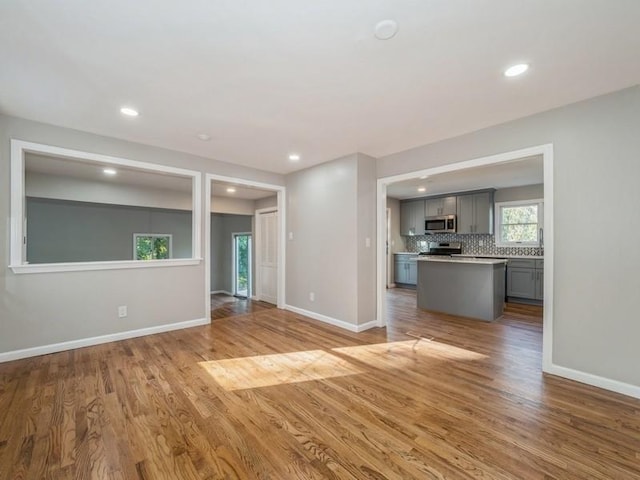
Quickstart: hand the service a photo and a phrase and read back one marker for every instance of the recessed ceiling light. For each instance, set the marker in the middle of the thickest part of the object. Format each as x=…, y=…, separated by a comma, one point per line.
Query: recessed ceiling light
x=109, y=171
x=422, y=189
x=516, y=70
x=294, y=157
x=204, y=137
x=129, y=112
x=385, y=29
x=231, y=190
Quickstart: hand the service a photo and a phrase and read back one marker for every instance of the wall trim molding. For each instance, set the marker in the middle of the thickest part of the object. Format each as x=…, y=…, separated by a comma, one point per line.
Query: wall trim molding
x=332, y=321
x=87, y=342
x=594, y=380
x=221, y=291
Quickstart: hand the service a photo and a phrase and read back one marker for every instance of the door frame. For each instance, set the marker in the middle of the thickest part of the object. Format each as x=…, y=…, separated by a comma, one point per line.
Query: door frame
x=234, y=272
x=280, y=191
x=546, y=151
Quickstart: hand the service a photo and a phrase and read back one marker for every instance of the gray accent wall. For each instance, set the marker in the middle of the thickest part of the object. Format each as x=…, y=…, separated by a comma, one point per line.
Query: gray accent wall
x=66, y=231
x=596, y=171
x=41, y=309
x=513, y=194
x=223, y=227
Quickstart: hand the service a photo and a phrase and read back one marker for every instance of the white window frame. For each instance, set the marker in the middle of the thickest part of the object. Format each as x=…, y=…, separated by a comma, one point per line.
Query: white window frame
x=518, y=203
x=154, y=235
x=18, y=262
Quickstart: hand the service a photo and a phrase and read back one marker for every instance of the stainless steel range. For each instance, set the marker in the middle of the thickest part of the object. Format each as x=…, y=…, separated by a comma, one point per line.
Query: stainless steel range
x=443, y=248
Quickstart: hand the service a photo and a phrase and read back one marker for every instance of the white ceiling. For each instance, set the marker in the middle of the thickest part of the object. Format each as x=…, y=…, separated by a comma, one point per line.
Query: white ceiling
x=94, y=171
x=524, y=171
x=268, y=78
x=219, y=189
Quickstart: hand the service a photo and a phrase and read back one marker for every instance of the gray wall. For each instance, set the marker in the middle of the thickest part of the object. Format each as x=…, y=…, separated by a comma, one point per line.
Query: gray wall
x=222, y=228
x=526, y=192
x=322, y=257
x=47, y=308
x=64, y=231
x=366, y=238
x=330, y=212
x=596, y=169
x=266, y=202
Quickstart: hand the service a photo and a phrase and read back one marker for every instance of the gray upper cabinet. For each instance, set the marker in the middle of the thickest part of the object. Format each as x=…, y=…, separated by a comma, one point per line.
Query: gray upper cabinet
x=475, y=213
x=412, y=217
x=441, y=206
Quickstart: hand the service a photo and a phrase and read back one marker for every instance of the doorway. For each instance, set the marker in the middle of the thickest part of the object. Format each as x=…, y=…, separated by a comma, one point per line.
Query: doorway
x=546, y=152
x=242, y=274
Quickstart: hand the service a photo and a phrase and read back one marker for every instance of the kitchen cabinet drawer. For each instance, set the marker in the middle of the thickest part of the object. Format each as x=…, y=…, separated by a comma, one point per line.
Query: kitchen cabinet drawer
x=522, y=263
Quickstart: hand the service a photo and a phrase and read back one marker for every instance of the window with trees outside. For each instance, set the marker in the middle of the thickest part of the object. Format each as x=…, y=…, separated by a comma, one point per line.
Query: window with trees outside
x=519, y=223
x=151, y=246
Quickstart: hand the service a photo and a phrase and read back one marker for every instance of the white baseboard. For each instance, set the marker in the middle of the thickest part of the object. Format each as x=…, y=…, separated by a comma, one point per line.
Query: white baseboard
x=332, y=321
x=253, y=297
x=222, y=291
x=595, y=380
x=87, y=342
x=366, y=326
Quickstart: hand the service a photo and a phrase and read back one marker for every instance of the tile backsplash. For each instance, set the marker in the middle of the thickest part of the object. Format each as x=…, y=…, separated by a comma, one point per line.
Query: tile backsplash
x=470, y=244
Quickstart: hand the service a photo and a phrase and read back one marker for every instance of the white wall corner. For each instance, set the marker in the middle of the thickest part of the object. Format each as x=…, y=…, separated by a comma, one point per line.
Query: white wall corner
x=87, y=342
x=594, y=380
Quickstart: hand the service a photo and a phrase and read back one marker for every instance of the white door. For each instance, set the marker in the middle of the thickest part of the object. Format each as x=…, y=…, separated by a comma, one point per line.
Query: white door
x=267, y=257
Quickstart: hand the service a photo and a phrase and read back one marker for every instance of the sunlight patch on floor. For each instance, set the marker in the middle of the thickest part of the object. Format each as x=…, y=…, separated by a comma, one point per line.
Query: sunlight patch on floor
x=406, y=353
x=277, y=369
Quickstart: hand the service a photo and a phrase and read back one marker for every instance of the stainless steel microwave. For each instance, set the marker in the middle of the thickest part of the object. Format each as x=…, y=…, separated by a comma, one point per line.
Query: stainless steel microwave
x=440, y=224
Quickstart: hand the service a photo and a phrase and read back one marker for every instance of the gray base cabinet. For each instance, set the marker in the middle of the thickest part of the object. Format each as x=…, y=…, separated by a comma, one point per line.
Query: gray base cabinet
x=405, y=269
x=525, y=280
x=471, y=290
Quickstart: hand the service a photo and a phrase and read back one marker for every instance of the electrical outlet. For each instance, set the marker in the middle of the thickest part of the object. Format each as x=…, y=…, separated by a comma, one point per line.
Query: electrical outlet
x=312, y=296
x=122, y=311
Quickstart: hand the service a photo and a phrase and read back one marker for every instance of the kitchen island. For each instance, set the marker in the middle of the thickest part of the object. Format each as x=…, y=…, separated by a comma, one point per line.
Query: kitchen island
x=468, y=287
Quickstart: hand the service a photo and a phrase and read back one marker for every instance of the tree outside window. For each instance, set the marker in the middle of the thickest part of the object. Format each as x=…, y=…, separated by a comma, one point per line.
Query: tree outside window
x=519, y=223
x=151, y=246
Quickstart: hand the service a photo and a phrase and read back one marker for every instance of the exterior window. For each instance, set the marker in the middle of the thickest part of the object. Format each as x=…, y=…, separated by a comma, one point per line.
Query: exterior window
x=519, y=224
x=151, y=246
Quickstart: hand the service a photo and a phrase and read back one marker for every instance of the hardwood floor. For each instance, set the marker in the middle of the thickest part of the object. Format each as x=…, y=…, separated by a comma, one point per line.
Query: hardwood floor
x=268, y=395
x=223, y=306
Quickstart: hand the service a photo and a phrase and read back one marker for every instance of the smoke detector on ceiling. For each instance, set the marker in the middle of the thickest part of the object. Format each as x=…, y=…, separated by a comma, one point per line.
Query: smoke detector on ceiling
x=385, y=29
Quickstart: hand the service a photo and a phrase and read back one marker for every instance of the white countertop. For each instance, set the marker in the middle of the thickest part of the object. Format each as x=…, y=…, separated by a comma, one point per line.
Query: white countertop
x=405, y=253
x=526, y=257
x=473, y=260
